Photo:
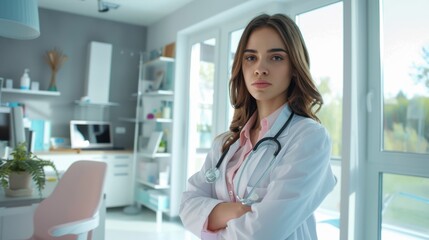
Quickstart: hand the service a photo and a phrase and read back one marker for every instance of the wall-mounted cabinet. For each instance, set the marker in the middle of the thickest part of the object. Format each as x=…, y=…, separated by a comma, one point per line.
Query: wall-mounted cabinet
x=153, y=138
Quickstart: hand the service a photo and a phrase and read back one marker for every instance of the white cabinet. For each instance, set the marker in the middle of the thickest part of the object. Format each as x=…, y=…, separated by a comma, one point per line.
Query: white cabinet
x=153, y=156
x=16, y=222
x=118, y=178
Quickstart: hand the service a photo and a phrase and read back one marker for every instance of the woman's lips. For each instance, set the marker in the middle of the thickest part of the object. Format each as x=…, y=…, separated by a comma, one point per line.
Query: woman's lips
x=261, y=84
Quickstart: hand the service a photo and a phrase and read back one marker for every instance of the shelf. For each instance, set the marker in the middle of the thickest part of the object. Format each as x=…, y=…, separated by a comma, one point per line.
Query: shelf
x=31, y=92
x=158, y=60
x=159, y=93
x=156, y=155
x=158, y=120
x=152, y=206
x=153, y=185
x=155, y=120
x=88, y=104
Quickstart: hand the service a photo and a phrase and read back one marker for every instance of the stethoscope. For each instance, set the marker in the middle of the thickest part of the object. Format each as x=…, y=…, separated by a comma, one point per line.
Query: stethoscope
x=213, y=174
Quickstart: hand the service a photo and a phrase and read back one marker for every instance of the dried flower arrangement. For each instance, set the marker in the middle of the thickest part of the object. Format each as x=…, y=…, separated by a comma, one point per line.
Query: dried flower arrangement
x=55, y=59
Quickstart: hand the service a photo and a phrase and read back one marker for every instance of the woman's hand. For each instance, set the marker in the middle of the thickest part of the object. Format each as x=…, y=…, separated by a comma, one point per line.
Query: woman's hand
x=223, y=212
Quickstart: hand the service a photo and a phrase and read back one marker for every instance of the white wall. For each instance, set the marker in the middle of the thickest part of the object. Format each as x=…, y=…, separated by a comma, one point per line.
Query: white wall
x=200, y=12
x=165, y=31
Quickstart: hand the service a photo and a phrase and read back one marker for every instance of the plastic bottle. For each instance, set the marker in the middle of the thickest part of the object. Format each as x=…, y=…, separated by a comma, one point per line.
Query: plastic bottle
x=25, y=80
x=166, y=110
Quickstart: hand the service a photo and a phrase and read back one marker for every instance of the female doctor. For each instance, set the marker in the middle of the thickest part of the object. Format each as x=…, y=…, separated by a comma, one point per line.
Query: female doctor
x=264, y=178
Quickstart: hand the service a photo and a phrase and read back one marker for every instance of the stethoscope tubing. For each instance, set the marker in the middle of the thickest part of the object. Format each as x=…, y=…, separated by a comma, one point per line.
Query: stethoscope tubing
x=213, y=174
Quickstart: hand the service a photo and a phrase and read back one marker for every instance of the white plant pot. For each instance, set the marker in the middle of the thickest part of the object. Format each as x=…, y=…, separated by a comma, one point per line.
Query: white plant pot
x=19, y=180
x=19, y=185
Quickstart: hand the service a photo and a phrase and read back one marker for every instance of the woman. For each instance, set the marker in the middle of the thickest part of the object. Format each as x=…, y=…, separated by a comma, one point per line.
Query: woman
x=274, y=96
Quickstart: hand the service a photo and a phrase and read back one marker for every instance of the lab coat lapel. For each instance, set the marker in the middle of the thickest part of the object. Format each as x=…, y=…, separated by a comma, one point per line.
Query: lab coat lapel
x=260, y=160
x=249, y=173
x=221, y=187
x=280, y=121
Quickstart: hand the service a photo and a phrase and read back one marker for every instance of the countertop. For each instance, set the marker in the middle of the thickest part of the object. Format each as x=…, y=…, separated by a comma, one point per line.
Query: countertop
x=70, y=151
x=8, y=202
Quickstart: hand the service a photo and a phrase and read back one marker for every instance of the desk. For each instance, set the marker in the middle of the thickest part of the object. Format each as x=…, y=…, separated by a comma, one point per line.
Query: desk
x=16, y=214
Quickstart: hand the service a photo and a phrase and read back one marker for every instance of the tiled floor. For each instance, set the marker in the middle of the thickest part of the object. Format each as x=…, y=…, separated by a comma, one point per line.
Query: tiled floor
x=120, y=226
x=143, y=226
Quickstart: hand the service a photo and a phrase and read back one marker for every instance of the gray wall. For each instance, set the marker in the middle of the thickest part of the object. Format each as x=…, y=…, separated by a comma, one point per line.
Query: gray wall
x=72, y=33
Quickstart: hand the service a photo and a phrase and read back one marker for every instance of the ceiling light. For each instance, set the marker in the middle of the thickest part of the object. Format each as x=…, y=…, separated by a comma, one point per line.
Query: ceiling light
x=105, y=6
x=19, y=19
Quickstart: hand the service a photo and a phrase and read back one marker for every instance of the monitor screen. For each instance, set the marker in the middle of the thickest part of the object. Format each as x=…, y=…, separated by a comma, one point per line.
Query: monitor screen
x=90, y=134
x=5, y=124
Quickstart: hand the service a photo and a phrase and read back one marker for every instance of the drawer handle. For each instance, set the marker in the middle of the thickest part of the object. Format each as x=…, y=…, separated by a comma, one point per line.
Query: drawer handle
x=121, y=165
x=122, y=157
x=121, y=174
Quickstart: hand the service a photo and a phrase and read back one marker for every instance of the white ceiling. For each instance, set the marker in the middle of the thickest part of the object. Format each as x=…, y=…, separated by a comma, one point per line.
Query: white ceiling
x=137, y=12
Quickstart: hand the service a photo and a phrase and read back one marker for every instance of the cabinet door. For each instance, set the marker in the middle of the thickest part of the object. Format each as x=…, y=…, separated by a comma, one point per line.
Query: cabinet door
x=16, y=222
x=118, y=185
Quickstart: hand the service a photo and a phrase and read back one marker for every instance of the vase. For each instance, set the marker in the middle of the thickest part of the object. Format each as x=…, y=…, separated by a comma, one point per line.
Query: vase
x=19, y=180
x=19, y=185
x=53, y=82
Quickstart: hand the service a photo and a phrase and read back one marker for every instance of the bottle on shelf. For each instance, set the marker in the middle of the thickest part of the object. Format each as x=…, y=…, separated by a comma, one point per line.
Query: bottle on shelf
x=25, y=80
x=166, y=110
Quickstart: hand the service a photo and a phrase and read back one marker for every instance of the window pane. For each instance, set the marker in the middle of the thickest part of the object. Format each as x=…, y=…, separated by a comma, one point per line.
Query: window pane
x=405, y=207
x=201, y=100
x=234, y=38
x=405, y=60
x=203, y=94
x=322, y=30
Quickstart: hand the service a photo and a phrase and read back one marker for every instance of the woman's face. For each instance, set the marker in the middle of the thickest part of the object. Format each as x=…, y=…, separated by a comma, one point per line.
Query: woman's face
x=266, y=67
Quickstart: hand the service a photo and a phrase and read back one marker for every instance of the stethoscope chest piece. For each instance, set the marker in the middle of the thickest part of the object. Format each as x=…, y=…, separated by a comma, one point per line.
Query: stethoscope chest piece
x=212, y=175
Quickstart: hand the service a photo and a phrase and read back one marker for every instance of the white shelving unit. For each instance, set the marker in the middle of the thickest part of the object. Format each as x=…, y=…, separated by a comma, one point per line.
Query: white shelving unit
x=154, y=113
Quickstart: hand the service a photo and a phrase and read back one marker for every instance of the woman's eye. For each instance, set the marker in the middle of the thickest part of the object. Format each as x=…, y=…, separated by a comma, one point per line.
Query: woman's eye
x=277, y=58
x=249, y=58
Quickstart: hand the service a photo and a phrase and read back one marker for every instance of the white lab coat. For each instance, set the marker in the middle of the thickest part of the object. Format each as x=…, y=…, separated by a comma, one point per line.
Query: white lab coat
x=288, y=196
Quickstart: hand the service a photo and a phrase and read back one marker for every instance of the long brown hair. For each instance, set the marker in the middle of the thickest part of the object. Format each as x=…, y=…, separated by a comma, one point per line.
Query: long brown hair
x=302, y=95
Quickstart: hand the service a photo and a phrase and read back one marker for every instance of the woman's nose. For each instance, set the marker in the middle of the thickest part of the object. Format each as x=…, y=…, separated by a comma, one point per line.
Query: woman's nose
x=260, y=70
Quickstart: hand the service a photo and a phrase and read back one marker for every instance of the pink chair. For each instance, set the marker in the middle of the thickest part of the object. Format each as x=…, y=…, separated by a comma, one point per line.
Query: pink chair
x=71, y=211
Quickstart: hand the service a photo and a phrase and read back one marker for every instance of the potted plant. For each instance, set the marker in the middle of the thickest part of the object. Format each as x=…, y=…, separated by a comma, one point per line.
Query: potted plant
x=16, y=173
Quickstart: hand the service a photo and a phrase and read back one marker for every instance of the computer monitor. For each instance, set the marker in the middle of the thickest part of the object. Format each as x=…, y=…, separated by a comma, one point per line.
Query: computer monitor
x=5, y=129
x=91, y=134
x=12, y=126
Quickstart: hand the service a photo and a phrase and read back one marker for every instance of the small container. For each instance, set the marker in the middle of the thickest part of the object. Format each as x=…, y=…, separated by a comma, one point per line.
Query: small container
x=25, y=80
x=166, y=110
x=9, y=83
x=35, y=86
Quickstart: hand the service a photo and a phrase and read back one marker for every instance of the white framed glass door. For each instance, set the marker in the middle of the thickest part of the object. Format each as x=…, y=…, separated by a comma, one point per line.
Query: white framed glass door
x=322, y=29
x=398, y=136
x=203, y=60
x=211, y=54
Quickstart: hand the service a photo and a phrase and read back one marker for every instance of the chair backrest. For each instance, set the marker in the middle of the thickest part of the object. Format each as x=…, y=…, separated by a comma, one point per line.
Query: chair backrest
x=77, y=196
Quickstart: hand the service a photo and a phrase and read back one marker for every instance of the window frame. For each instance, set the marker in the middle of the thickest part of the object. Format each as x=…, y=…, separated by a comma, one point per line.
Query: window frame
x=379, y=161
